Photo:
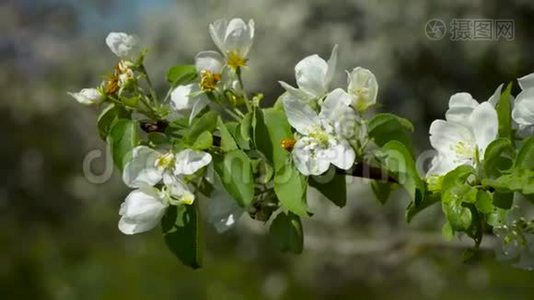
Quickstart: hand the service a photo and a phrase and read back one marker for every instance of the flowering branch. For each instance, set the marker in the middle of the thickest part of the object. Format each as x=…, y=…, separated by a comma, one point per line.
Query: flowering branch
x=208, y=141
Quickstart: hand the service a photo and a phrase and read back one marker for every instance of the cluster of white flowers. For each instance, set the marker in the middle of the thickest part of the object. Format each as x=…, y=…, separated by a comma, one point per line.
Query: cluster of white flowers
x=125, y=47
x=159, y=178
x=326, y=121
x=469, y=127
x=234, y=39
x=143, y=208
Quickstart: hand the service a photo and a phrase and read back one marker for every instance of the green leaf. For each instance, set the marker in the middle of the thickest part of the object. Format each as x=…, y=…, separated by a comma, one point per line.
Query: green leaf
x=525, y=157
x=181, y=74
x=387, y=127
x=157, y=138
x=401, y=164
x=286, y=233
x=503, y=200
x=290, y=188
x=235, y=171
x=227, y=141
x=455, y=192
x=498, y=157
x=332, y=186
x=182, y=231
x=504, y=113
x=123, y=137
x=447, y=232
x=521, y=177
x=203, y=141
x=207, y=122
x=107, y=117
x=484, y=202
x=245, y=127
x=382, y=190
x=270, y=128
x=428, y=200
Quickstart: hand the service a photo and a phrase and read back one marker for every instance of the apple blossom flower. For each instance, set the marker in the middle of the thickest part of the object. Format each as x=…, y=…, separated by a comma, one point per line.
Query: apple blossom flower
x=145, y=206
x=188, y=98
x=462, y=138
x=209, y=66
x=122, y=44
x=149, y=167
x=234, y=39
x=313, y=75
x=362, y=87
x=320, y=143
x=88, y=96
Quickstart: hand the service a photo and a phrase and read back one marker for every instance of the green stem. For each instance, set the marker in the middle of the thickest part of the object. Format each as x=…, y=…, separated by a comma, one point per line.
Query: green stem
x=149, y=82
x=242, y=86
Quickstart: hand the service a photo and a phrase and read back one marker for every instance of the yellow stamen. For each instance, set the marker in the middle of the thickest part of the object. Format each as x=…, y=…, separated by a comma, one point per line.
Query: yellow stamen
x=209, y=80
x=321, y=136
x=234, y=60
x=165, y=161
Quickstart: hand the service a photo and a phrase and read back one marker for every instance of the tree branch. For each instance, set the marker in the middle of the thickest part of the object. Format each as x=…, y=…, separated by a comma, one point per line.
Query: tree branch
x=365, y=170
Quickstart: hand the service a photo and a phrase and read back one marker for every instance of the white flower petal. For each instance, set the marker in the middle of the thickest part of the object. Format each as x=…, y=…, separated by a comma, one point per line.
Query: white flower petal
x=332, y=62
x=198, y=104
x=494, y=99
x=239, y=36
x=310, y=73
x=461, y=106
x=189, y=161
x=209, y=61
x=217, y=31
x=441, y=165
x=300, y=115
x=342, y=155
x=121, y=44
x=444, y=136
x=141, y=170
x=335, y=105
x=296, y=93
x=234, y=35
x=485, y=125
x=309, y=158
x=526, y=82
x=523, y=112
x=141, y=211
x=363, y=88
x=181, y=97
x=87, y=96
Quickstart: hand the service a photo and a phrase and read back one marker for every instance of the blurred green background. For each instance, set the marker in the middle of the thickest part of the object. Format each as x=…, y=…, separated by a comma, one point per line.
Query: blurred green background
x=59, y=236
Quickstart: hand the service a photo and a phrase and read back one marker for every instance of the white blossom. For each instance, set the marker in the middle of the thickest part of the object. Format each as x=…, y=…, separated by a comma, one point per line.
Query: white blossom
x=122, y=44
x=362, y=87
x=234, y=39
x=148, y=166
x=144, y=206
x=313, y=75
x=320, y=143
x=88, y=96
x=188, y=99
x=462, y=138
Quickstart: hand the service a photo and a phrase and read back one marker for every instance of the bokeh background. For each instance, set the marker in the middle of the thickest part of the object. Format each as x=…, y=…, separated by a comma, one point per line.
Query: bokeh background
x=59, y=237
